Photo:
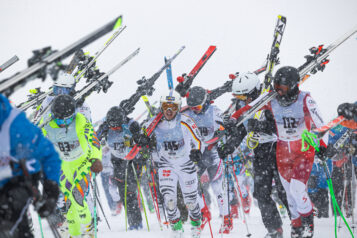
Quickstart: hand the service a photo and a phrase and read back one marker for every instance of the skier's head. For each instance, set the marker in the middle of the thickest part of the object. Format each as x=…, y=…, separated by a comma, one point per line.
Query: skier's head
x=116, y=118
x=63, y=110
x=286, y=84
x=246, y=87
x=64, y=84
x=170, y=104
x=197, y=98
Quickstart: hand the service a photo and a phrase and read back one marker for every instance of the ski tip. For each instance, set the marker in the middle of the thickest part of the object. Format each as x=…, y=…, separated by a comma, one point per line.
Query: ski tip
x=118, y=22
x=282, y=18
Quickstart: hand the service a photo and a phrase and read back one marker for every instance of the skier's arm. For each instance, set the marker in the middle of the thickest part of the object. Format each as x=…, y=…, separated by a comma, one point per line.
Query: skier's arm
x=313, y=117
x=191, y=131
x=27, y=142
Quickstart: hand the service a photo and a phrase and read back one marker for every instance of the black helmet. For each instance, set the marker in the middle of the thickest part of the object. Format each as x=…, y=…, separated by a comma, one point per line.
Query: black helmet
x=115, y=117
x=197, y=96
x=286, y=84
x=63, y=107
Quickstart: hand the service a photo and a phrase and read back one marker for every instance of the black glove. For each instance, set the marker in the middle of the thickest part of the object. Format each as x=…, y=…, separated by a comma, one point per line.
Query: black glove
x=195, y=155
x=225, y=150
x=141, y=139
x=48, y=203
x=347, y=110
x=321, y=154
x=134, y=128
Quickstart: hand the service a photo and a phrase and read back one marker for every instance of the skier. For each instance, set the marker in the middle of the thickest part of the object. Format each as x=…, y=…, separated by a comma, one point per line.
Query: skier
x=294, y=111
x=178, y=144
x=24, y=150
x=117, y=133
x=246, y=88
x=80, y=151
x=63, y=85
x=206, y=116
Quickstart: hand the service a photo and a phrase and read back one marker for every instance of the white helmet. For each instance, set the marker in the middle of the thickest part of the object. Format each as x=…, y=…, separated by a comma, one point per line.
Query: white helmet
x=64, y=80
x=245, y=83
x=171, y=97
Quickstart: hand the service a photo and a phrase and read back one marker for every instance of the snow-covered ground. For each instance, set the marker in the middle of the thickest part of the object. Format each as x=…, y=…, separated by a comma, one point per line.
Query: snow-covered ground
x=323, y=227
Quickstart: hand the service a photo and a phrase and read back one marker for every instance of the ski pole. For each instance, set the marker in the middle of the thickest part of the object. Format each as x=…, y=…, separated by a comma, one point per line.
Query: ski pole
x=141, y=195
x=125, y=201
x=100, y=205
x=95, y=206
x=343, y=195
x=156, y=205
x=241, y=198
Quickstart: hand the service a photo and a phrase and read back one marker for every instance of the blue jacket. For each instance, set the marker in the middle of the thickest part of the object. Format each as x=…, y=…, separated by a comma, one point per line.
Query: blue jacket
x=27, y=142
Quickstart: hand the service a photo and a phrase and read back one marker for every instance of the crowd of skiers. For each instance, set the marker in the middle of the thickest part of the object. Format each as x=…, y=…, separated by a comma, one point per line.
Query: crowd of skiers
x=176, y=155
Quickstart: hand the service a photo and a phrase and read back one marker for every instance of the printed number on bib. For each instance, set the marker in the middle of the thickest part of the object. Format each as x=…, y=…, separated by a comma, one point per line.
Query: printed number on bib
x=171, y=145
x=64, y=146
x=290, y=122
x=119, y=146
x=204, y=131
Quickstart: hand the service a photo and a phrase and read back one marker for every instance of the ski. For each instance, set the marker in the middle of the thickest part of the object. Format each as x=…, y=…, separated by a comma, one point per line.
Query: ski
x=135, y=150
x=8, y=63
x=185, y=81
x=316, y=62
x=98, y=53
x=145, y=86
x=147, y=104
x=144, y=112
x=9, y=85
x=102, y=81
x=329, y=126
x=169, y=76
x=271, y=62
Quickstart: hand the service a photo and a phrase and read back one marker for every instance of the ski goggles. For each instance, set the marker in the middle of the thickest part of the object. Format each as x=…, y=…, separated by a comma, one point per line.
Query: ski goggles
x=172, y=106
x=241, y=97
x=61, y=90
x=115, y=128
x=64, y=122
x=197, y=108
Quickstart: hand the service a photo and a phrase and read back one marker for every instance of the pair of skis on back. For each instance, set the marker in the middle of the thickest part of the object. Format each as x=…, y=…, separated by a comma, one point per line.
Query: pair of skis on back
x=315, y=62
x=185, y=82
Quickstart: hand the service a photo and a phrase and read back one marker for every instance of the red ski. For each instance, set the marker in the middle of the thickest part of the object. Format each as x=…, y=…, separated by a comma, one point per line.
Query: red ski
x=329, y=126
x=185, y=81
x=135, y=150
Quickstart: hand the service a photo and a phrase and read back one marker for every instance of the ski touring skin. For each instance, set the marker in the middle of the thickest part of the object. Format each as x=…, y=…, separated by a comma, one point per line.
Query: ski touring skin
x=185, y=81
x=8, y=63
x=102, y=81
x=9, y=85
x=314, y=63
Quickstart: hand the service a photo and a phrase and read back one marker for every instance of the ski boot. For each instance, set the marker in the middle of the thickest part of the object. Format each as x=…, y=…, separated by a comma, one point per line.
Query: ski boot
x=275, y=233
x=246, y=204
x=308, y=224
x=177, y=229
x=206, y=217
x=195, y=229
x=234, y=211
x=297, y=229
x=88, y=231
x=136, y=227
x=227, y=225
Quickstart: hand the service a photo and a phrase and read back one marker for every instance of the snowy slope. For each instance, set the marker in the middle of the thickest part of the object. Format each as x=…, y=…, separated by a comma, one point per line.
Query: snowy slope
x=323, y=227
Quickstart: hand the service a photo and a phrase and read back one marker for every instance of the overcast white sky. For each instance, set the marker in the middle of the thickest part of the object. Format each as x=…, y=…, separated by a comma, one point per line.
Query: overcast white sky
x=241, y=30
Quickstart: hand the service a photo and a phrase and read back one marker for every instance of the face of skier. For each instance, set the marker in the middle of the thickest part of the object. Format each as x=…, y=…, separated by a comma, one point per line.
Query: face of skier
x=64, y=122
x=243, y=97
x=169, y=110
